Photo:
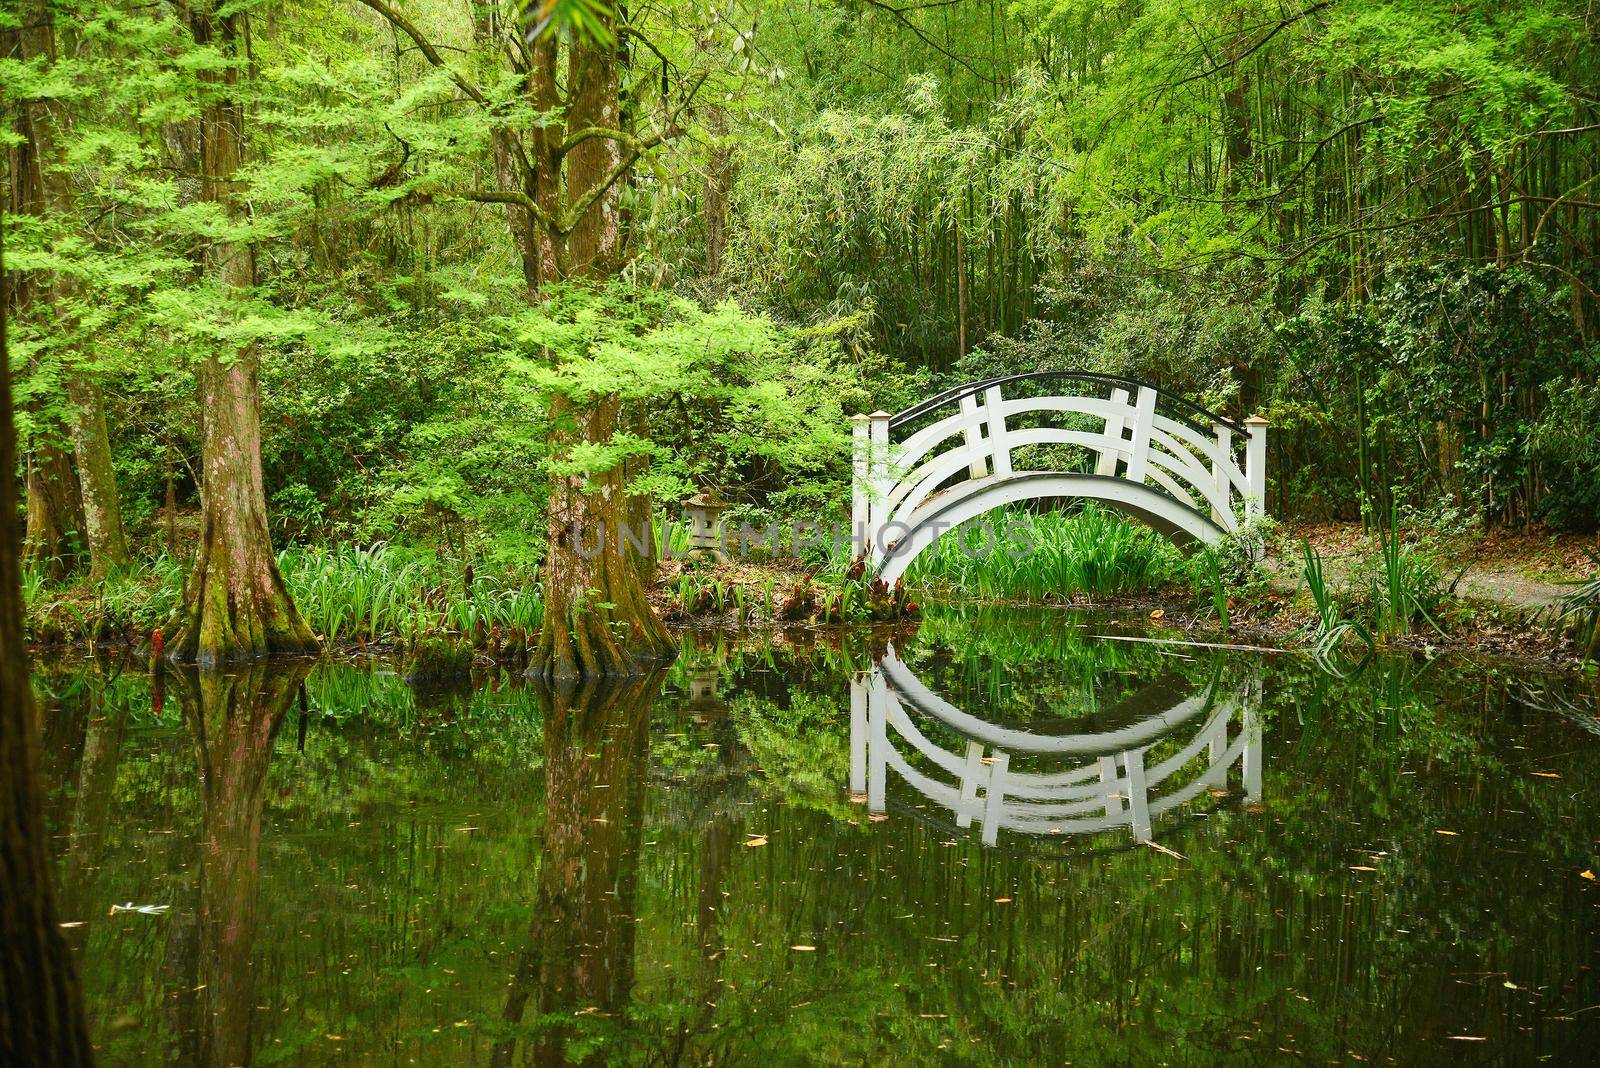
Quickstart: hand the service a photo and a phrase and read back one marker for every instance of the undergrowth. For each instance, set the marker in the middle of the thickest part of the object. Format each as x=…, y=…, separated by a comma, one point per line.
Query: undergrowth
x=1092, y=552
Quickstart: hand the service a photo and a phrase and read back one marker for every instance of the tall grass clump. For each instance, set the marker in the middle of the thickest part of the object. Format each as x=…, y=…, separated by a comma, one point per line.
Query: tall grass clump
x=1406, y=584
x=1093, y=552
x=1331, y=627
x=383, y=593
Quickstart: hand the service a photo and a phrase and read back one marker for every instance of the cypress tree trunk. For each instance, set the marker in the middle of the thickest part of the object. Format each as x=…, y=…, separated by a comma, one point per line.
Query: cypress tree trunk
x=41, y=1001
x=40, y=187
x=55, y=511
x=102, y=510
x=597, y=618
x=236, y=605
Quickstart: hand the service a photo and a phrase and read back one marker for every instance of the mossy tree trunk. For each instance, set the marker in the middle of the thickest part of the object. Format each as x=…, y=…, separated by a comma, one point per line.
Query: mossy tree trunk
x=41, y=1001
x=597, y=619
x=560, y=182
x=236, y=605
x=42, y=186
x=54, y=507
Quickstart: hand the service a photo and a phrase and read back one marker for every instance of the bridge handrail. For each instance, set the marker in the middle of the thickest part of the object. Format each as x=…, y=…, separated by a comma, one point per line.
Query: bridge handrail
x=955, y=394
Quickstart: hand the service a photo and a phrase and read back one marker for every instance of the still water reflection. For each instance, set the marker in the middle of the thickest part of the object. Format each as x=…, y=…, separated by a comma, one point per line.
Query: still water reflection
x=998, y=840
x=1062, y=783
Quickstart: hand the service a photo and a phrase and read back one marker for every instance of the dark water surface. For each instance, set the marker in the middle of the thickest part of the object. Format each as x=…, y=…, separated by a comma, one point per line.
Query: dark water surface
x=999, y=841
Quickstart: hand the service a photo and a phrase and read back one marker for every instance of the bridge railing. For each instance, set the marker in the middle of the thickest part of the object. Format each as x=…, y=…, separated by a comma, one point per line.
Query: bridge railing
x=1109, y=781
x=1130, y=431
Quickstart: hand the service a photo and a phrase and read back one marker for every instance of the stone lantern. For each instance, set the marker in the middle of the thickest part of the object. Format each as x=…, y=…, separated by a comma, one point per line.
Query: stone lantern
x=705, y=526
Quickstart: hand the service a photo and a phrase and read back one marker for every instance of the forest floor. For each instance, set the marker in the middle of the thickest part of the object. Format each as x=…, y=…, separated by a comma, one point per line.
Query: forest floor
x=1510, y=568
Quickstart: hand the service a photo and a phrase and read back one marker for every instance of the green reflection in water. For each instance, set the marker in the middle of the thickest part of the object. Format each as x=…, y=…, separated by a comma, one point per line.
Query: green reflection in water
x=358, y=871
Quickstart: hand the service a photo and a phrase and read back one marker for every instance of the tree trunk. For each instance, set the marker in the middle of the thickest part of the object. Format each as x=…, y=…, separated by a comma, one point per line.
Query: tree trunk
x=40, y=187
x=102, y=510
x=236, y=605
x=55, y=511
x=597, y=619
x=41, y=1002
x=719, y=179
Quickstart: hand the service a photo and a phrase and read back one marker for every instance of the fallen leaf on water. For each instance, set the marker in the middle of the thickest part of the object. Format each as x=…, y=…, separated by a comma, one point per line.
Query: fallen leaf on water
x=805, y=949
x=1468, y=1038
x=1451, y=833
x=758, y=841
x=1587, y=874
x=1158, y=614
x=1002, y=901
x=1361, y=867
x=79, y=923
x=1545, y=774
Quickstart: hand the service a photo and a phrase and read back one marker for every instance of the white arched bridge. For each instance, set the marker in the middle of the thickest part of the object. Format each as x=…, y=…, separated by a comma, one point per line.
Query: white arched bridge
x=1006, y=778
x=1189, y=473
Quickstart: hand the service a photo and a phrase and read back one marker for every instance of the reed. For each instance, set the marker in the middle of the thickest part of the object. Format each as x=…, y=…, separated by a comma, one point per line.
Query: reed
x=1331, y=627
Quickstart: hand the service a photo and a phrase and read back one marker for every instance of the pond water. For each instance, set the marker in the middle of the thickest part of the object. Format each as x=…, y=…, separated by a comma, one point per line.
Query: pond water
x=1003, y=838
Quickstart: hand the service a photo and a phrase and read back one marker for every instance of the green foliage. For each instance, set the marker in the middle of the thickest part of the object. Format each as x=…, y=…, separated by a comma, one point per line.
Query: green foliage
x=1231, y=570
x=732, y=398
x=1092, y=552
x=1331, y=627
x=389, y=594
x=1579, y=612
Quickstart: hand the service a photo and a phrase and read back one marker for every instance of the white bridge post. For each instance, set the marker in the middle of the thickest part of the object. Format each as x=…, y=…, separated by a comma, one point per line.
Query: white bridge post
x=1219, y=475
x=1255, y=466
x=1144, y=418
x=973, y=435
x=1107, y=464
x=999, y=447
x=861, y=484
x=881, y=483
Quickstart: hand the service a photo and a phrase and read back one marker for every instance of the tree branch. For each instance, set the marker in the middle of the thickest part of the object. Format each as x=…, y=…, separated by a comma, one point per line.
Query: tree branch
x=635, y=147
x=497, y=196
x=401, y=23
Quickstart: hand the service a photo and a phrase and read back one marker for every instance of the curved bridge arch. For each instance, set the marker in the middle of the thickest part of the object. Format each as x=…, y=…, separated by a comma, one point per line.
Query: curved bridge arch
x=1186, y=472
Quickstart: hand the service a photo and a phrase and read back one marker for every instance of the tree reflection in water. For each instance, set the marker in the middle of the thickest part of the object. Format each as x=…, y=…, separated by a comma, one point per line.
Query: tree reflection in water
x=578, y=962
x=232, y=717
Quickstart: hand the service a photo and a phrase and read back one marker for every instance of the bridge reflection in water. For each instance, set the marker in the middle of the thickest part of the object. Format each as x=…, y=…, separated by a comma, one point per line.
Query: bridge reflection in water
x=1047, y=784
